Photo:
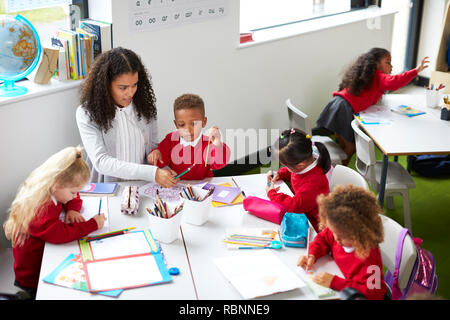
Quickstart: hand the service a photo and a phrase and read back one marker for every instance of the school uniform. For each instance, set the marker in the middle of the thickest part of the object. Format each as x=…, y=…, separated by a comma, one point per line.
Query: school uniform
x=338, y=113
x=366, y=275
x=179, y=155
x=47, y=227
x=121, y=152
x=306, y=186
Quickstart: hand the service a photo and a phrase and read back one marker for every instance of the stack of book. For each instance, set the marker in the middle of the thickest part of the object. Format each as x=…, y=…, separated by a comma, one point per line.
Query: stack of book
x=78, y=48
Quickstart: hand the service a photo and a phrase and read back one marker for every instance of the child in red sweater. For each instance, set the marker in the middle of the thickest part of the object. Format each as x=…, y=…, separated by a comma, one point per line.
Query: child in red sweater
x=187, y=148
x=305, y=165
x=352, y=232
x=363, y=85
x=34, y=215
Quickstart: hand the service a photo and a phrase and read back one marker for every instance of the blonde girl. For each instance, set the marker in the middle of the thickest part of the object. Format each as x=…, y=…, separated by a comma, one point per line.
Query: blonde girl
x=34, y=213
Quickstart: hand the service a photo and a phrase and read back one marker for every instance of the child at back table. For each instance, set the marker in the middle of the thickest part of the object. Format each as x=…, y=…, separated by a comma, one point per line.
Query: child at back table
x=188, y=148
x=305, y=165
x=34, y=214
x=352, y=232
x=363, y=85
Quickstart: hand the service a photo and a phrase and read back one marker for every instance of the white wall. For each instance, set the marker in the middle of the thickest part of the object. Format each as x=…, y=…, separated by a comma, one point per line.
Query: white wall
x=32, y=130
x=243, y=88
x=431, y=32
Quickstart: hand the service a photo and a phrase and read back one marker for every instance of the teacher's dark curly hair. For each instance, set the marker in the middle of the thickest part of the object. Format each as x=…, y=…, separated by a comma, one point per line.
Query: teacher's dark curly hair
x=96, y=93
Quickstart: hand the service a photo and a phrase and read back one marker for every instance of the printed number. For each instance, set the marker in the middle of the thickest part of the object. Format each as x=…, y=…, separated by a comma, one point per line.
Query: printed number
x=152, y=20
x=138, y=22
x=149, y=2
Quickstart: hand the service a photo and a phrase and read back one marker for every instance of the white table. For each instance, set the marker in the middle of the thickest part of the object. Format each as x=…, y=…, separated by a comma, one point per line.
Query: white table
x=181, y=288
x=423, y=134
x=203, y=244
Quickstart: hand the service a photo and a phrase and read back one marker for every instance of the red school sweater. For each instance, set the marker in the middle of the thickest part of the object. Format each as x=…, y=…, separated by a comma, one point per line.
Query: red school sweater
x=381, y=82
x=359, y=274
x=47, y=227
x=179, y=158
x=306, y=187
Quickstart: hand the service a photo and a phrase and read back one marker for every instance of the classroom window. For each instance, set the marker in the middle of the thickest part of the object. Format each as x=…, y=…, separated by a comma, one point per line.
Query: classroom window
x=45, y=16
x=262, y=14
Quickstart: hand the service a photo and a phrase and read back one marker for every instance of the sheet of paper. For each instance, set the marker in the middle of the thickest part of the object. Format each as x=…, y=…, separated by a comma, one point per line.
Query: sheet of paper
x=257, y=273
x=90, y=209
x=166, y=194
x=317, y=289
x=376, y=114
x=131, y=243
x=129, y=272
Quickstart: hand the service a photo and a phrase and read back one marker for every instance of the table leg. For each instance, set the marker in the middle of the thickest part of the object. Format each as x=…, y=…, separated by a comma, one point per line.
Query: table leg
x=383, y=179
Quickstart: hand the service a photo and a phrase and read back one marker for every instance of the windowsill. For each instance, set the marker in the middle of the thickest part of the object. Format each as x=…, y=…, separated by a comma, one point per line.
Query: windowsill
x=36, y=90
x=303, y=27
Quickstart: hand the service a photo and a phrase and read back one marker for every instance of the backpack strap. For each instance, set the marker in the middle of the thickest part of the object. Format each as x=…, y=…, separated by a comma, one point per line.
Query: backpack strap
x=396, y=292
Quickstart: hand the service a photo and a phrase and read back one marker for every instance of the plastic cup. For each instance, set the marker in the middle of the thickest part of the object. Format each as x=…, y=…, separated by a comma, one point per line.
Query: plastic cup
x=166, y=230
x=433, y=98
x=197, y=212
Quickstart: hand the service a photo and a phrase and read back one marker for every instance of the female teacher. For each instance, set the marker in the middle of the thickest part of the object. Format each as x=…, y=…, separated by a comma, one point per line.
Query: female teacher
x=117, y=120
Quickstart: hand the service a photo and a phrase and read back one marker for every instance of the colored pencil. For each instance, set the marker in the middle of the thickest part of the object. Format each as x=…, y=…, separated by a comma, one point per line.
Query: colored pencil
x=108, y=234
x=207, y=152
x=307, y=248
x=100, y=206
x=184, y=172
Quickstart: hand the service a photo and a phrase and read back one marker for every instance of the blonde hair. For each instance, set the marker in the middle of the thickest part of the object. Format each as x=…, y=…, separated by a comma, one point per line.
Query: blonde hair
x=354, y=211
x=65, y=168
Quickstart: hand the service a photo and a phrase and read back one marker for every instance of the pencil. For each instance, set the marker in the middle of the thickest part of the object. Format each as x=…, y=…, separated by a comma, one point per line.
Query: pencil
x=100, y=206
x=207, y=151
x=184, y=172
x=307, y=248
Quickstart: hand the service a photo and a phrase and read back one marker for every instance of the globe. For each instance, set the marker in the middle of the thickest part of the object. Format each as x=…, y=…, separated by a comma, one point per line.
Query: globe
x=20, y=50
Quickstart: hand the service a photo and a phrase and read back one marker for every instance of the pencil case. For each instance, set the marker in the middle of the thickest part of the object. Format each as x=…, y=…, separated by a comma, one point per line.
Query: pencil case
x=264, y=209
x=294, y=230
x=130, y=200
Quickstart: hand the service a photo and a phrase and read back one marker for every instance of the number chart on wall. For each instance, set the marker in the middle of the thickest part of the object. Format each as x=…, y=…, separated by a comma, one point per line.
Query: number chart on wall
x=148, y=15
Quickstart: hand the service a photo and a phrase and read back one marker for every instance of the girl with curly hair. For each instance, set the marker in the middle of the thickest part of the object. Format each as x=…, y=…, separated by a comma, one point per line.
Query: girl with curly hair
x=351, y=232
x=117, y=120
x=363, y=85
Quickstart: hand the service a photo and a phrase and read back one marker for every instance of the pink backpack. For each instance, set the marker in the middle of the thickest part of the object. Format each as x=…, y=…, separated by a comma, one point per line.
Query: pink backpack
x=423, y=277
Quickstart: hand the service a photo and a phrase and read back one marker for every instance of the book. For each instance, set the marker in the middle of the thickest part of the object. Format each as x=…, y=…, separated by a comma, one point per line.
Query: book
x=407, y=111
x=70, y=37
x=223, y=193
x=129, y=260
x=99, y=188
x=47, y=66
x=70, y=274
x=102, y=32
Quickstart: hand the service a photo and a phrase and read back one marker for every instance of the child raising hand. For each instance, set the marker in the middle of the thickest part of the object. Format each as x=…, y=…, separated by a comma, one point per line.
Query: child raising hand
x=34, y=214
x=352, y=232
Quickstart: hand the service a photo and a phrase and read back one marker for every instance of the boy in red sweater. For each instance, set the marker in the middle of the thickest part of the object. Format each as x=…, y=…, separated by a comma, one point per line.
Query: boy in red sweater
x=352, y=232
x=363, y=85
x=187, y=148
x=305, y=165
x=34, y=217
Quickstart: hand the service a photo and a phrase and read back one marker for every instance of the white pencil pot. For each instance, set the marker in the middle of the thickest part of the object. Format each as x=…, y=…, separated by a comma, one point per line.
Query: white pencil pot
x=433, y=98
x=166, y=230
x=197, y=212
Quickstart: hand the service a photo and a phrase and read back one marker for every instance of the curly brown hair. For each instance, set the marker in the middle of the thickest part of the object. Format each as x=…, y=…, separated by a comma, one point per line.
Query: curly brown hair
x=359, y=75
x=353, y=211
x=95, y=94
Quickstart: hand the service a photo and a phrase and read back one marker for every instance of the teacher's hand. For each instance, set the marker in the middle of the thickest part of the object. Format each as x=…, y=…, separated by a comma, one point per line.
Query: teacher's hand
x=166, y=177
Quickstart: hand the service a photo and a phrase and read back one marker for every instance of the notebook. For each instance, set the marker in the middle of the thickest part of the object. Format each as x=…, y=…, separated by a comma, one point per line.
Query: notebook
x=93, y=189
x=125, y=261
x=223, y=193
x=238, y=199
x=407, y=111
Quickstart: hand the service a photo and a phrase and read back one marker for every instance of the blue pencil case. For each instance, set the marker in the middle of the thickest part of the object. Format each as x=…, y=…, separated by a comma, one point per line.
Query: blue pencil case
x=294, y=230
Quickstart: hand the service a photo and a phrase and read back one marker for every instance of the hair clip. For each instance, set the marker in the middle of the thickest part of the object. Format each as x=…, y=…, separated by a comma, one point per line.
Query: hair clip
x=282, y=136
x=292, y=131
x=308, y=137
